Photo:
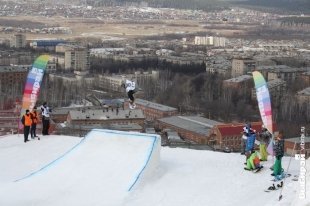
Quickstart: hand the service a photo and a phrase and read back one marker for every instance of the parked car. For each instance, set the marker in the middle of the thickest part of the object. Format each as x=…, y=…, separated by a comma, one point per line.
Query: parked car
x=227, y=150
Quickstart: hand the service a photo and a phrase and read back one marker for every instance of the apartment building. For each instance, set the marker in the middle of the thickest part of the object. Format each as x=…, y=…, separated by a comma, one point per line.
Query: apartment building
x=77, y=59
x=241, y=66
x=243, y=81
x=13, y=78
x=282, y=72
x=18, y=41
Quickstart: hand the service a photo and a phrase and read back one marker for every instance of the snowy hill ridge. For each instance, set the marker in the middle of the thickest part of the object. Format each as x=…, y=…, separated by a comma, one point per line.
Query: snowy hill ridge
x=126, y=168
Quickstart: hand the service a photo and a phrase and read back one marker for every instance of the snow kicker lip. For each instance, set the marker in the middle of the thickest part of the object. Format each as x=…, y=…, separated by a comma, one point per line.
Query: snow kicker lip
x=155, y=139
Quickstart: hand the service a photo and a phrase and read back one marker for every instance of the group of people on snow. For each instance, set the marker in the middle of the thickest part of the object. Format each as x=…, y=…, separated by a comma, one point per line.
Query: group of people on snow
x=253, y=158
x=31, y=119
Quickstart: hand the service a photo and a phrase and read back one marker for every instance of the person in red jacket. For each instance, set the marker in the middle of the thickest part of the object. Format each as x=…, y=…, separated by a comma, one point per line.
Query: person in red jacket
x=34, y=118
x=26, y=120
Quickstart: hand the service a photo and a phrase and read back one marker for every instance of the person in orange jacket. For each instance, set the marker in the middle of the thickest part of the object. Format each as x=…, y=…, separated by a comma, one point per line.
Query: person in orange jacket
x=34, y=118
x=26, y=120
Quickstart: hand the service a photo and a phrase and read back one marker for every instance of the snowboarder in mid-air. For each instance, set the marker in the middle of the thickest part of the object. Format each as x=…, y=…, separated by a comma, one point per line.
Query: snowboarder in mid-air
x=130, y=87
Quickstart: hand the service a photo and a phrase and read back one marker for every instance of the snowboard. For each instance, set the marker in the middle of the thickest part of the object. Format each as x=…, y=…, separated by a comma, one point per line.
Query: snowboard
x=255, y=170
x=258, y=169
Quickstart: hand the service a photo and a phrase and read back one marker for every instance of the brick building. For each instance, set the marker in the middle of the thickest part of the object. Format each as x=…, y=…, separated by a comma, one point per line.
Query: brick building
x=229, y=135
x=13, y=78
x=289, y=145
x=14, y=57
x=192, y=128
x=153, y=111
x=105, y=117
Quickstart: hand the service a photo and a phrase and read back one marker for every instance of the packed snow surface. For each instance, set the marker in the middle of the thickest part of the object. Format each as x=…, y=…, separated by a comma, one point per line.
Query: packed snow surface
x=126, y=168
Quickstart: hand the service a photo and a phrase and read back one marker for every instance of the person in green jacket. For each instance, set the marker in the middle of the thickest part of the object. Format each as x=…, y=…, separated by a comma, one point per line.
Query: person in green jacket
x=278, y=149
x=253, y=161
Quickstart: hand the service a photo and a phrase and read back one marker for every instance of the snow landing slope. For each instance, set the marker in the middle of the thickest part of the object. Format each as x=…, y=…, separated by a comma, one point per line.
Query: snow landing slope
x=99, y=169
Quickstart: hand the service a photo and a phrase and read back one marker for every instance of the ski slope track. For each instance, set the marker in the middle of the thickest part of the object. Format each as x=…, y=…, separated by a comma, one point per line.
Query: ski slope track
x=113, y=168
x=100, y=169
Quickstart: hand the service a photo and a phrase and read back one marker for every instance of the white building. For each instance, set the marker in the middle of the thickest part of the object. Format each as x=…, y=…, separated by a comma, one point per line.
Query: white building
x=219, y=41
x=18, y=41
x=77, y=58
x=210, y=41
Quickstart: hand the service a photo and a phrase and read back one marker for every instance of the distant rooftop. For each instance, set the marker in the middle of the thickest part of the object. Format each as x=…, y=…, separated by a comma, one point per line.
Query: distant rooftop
x=239, y=79
x=47, y=42
x=102, y=114
x=282, y=68
x=192, y=123
x=126, y=127
x=305, y=92
x=65, y=110
x=246, y=59
x=153, y=105
x=74, y=46
x=4, y=69
x=307, y=73
x=275, y=82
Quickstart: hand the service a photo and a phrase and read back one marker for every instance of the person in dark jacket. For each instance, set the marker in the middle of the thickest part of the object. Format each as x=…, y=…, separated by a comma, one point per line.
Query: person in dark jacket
x=45, y=111
x=264, y=141
x=278, y=149
x=26, y=121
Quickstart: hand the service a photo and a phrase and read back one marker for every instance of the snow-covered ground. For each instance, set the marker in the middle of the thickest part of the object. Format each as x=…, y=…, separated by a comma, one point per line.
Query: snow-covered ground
x=110, y=168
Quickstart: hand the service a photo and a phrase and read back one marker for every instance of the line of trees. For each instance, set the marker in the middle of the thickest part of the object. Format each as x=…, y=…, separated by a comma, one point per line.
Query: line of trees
x=205, y=94
x=287, y=5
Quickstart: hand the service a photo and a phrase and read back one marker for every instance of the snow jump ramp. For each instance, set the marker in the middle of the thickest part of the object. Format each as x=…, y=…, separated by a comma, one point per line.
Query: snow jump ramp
x=101, y=169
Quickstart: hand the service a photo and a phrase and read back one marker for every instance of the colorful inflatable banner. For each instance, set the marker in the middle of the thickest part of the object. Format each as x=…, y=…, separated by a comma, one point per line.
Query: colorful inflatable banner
x=33, y=83
x=264, y=104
